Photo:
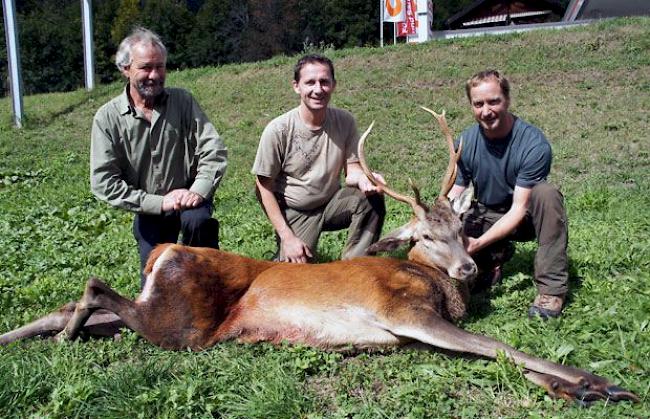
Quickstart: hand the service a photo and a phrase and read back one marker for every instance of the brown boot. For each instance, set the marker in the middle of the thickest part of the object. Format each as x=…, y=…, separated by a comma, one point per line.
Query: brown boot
x=546, y=306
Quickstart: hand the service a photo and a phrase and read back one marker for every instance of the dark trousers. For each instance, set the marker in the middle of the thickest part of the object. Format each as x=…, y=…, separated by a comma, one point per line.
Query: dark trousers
x=198, y=229
x=545, y=221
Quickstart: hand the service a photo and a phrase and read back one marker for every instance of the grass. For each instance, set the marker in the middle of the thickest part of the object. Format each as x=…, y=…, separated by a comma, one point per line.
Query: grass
x=587, y=88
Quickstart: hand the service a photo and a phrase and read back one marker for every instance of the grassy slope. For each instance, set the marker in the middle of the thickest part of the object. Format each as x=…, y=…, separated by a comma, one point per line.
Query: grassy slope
x=588, y=88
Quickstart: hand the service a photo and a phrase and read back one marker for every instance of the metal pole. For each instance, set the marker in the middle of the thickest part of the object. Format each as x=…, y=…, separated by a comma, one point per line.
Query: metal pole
x=89, y=56
x=13, y=55
x=381, y=23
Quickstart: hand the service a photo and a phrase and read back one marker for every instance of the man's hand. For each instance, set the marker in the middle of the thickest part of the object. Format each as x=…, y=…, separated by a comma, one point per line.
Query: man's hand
x=293, y=250
x=180, y=199
x=365, y=185
x=473, y=245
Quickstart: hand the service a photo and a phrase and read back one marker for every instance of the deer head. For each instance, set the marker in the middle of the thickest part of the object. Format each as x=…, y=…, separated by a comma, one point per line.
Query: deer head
x=434, y=233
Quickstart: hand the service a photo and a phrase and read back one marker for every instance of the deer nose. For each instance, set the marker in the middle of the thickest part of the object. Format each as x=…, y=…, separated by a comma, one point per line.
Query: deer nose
x=468, y=268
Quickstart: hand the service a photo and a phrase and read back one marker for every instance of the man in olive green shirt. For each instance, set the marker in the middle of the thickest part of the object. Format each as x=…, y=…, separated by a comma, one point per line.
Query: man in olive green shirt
x=154, y=152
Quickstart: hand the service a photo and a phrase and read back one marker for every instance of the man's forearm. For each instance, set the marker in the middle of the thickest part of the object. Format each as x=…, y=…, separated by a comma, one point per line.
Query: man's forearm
x=502, y=228
x=272, y=208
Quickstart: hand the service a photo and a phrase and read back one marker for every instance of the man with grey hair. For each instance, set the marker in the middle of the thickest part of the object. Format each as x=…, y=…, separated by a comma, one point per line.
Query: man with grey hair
x=154, y=152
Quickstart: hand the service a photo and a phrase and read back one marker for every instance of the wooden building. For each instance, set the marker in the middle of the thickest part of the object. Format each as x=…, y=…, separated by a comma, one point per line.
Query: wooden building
x=489, y=13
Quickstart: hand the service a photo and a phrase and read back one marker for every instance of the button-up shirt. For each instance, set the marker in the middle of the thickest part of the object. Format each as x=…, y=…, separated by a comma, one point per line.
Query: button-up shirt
x=134, y=162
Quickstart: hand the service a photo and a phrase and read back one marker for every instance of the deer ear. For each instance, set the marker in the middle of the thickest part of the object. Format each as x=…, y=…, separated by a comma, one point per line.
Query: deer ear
x=386, y=245
x=463, y=202
x=394, y=239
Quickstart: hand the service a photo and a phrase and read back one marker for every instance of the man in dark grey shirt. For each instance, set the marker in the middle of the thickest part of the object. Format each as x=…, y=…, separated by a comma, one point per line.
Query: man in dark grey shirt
x=508, y=160
x=154, y=152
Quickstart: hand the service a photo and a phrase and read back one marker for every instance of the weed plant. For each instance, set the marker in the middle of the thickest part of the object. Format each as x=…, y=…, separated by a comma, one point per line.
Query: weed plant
x=587, y=88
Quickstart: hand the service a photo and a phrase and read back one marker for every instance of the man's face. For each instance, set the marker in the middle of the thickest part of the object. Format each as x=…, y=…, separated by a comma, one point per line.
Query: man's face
x=490, y=108
x=315, y=86
x=147, y=70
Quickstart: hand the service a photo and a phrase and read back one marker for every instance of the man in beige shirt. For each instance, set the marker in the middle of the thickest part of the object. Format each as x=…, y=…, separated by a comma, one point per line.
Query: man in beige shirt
x=298, y=166
x=154, y=152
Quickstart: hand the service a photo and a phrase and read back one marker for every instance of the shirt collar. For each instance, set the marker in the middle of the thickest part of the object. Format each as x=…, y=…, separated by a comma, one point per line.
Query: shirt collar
x=123, y=102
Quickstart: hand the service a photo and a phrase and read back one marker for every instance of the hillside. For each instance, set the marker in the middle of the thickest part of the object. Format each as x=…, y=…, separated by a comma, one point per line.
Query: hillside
x=588, y=88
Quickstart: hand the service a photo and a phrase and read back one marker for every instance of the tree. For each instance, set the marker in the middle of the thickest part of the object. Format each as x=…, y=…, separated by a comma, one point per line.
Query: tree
x=340, y=23
x=104, y=13
x=217, y=35
x=128, y=15
x=273, y=29
x=51, y=46
x=4, y=70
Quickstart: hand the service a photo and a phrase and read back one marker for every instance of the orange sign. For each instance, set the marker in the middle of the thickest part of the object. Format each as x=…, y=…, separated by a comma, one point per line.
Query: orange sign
x=394, y=11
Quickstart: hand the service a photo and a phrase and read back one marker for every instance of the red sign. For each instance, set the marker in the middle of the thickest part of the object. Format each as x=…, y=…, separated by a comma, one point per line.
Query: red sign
x=410, y=25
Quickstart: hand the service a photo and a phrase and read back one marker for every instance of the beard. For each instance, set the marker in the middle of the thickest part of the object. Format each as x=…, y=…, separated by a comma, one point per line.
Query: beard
x=150, y=89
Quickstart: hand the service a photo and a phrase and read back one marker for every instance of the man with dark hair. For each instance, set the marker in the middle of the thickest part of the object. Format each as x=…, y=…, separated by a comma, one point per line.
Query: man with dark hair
x=154, y=152
x=508, y=160
x=299, y=162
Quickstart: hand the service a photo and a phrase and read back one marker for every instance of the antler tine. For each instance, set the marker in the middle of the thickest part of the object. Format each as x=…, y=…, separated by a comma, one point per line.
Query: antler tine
x=416, y=191
x=362, y=161
x=450, y=175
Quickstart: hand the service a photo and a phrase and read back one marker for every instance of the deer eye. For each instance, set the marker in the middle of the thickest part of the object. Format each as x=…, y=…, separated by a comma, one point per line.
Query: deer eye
x=427, y=237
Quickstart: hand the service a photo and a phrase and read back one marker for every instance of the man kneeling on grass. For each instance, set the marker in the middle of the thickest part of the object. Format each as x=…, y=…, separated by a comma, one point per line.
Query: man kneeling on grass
x=300, y=158
x=508, y=160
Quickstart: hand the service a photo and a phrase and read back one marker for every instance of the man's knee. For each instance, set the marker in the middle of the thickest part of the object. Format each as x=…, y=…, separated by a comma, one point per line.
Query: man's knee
x=377, y=203
x=194, y=220
x=546, y=200
x=367, y=203
x=199, y=226
x=546, y=193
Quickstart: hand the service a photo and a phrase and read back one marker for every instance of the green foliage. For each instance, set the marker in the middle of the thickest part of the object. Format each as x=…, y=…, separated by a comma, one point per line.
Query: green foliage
x=50, y=40
x=342, y=24
x=104, y=14
x=217, y=34
x=128, y=16
x=584, y=87
x=173, y=22
x=197, y=33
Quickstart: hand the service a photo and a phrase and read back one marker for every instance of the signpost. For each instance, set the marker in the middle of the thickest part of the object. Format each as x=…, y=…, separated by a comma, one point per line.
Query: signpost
x=13, y=58
x=412, y=19
x=89, y=56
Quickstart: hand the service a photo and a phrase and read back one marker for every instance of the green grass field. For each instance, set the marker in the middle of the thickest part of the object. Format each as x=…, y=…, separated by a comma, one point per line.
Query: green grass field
x=588, y=89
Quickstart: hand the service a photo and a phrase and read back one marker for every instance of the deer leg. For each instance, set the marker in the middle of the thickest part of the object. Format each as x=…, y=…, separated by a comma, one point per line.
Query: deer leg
x=561, y=380
x=97, y=296
x=46, y=325
x=101, y=323
x=585, y=392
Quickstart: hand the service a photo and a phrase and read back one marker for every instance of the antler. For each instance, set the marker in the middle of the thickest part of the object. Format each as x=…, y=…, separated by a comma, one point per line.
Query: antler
x=415, y=203
x=450, y=176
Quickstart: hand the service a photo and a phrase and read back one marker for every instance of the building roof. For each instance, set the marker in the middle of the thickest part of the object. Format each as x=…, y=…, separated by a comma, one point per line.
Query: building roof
x=597, y=9
x=468, y=16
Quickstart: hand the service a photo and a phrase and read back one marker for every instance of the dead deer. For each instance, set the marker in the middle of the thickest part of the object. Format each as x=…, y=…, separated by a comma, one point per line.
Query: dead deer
x=197, y=297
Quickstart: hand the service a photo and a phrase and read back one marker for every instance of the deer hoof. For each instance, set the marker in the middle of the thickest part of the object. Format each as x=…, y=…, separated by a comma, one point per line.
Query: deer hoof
x=616, y=393
x=61, y=337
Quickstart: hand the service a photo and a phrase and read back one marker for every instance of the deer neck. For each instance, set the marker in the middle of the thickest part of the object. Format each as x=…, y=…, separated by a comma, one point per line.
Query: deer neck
x=418, y=256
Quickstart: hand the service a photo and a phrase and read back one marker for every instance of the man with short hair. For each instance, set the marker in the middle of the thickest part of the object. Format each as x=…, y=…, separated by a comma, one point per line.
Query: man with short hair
x=299, y=162
x=154, y=152
x=508, y=160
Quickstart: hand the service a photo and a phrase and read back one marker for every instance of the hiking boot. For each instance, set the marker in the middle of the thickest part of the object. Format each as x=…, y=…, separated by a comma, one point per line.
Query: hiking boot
x=546, y=306
x=487, y=280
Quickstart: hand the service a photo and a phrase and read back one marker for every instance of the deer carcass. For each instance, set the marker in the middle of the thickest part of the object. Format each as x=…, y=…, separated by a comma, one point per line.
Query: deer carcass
x=197, y=297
